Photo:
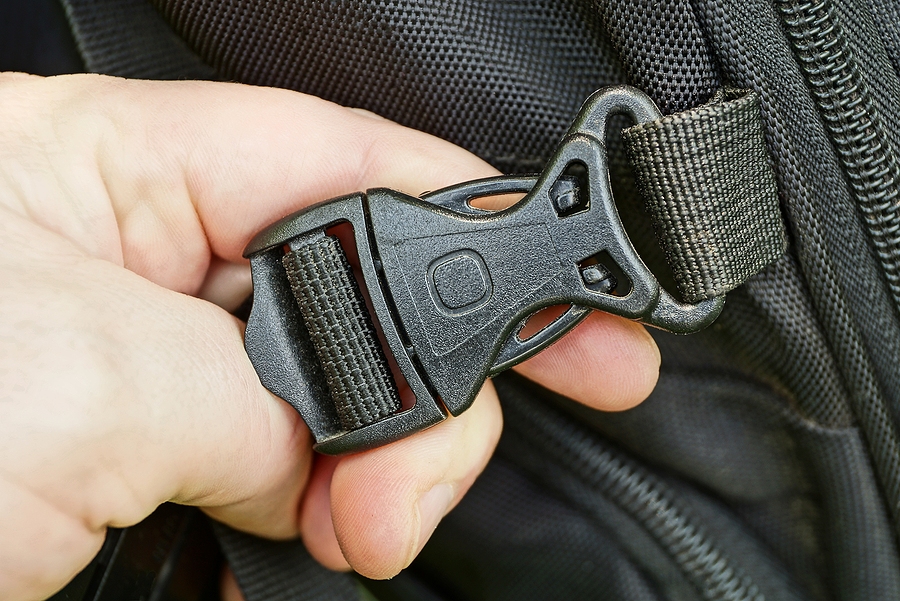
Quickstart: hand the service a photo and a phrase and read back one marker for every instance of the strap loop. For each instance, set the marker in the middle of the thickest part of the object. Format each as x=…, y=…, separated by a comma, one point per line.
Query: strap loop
x=710, y=192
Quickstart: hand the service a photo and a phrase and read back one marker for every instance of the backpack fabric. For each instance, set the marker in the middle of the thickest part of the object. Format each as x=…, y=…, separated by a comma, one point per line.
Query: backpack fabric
x=766, y=464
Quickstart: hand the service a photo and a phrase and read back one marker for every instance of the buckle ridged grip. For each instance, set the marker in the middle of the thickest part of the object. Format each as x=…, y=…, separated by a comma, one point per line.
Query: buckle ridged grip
x=450, y=286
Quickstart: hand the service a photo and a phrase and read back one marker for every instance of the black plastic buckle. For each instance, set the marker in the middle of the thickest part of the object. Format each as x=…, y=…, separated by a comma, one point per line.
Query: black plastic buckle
x=452, y=285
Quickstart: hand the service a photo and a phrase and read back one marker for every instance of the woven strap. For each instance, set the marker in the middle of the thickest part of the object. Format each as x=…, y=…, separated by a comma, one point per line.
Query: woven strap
x=129, y=38
x=342, y=332
x=710, y=192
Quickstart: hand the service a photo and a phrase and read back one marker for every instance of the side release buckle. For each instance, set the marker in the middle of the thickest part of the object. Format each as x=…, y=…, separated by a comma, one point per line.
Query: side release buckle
x=450, y=285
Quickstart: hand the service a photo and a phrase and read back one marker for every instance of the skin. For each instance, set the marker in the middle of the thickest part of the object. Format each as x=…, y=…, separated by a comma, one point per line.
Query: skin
x=124, y=207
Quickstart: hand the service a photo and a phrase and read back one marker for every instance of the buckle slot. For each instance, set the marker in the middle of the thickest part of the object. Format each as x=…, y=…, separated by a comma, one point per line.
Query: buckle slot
x=281, y=349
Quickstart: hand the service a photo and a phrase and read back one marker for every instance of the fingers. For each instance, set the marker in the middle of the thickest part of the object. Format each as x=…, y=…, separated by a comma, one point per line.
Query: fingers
x=149, y=394
x=142, y=395
x=189, y=183
x=226, y=443
x=316, y=523
x=226, y=284
x=232, y=158
x=28, y=521
x=229, y=587
x=385, y=503
x=166, y=179
x=187, y=170
x=607, y=363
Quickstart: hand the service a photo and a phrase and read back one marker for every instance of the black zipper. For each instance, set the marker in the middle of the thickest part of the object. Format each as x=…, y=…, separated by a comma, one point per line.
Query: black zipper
x=639, y=493
x=854, y=124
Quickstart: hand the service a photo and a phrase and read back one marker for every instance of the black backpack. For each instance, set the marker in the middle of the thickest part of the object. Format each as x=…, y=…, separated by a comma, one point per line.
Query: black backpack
x=766, y=463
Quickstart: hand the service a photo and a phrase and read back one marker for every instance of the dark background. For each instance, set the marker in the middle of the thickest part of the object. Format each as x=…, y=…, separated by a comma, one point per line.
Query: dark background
x=35, y=38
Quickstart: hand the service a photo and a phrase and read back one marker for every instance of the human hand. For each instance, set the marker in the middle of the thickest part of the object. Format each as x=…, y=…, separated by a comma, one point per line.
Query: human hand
x=124, y=207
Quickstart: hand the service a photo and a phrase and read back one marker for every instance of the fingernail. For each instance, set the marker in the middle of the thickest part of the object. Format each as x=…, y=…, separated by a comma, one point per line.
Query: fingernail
x=433, y=505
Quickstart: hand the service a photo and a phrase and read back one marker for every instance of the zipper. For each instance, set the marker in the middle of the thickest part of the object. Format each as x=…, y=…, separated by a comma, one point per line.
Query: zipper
x=865, y=153
x=855, y=127
x=636, y=491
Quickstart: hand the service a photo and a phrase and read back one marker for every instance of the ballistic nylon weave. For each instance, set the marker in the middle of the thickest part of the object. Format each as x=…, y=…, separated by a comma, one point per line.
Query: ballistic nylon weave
x=844, y=279
x=503, y=79
x=342, y=332
x=662, y=50
x=129, y=39
x=854, y=123
x=711, y=194
x=887, y=19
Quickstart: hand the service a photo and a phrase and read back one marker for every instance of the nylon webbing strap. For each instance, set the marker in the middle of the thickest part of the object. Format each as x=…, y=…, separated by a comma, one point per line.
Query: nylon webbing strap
x=710, y=191
x=342, y=332
x=281, y=570
x=129, y=38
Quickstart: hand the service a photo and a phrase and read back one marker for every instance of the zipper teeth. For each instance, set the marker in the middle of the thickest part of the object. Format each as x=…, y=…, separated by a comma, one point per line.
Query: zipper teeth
x=640, y=494
x=853, y=122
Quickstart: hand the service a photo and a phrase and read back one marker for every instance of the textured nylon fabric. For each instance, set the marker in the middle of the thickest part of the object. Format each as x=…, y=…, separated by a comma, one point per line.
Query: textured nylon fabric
x=514, y=539
x=787, y=343
x=260, y=567
x=693, y=431
x=662, y=50
x=887, y=18
x=710, y=192
x=342, y=332
x=818, y=331
x=854, y=123
x=129, y=39
x=503, y=79
x=641, y=495
x=858, y=319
